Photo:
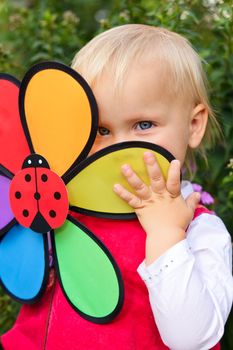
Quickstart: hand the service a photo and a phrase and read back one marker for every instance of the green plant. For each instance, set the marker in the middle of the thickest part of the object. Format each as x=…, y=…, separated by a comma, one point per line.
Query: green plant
x=9, y=310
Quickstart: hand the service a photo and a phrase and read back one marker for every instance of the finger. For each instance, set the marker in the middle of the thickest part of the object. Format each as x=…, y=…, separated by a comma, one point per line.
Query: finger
x=193, y=200
x=156, y=177
x=142, y=190
x=173, y=179
x=127, y=196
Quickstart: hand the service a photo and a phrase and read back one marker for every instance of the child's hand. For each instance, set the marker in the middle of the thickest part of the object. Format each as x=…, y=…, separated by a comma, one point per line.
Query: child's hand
x=160, y=208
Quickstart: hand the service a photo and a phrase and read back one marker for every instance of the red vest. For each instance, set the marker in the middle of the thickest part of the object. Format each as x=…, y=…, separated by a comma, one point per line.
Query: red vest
x=52, y=324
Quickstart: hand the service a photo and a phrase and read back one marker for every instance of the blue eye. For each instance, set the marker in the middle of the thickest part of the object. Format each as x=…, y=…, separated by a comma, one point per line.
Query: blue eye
x=144, y=125
x=103, y=131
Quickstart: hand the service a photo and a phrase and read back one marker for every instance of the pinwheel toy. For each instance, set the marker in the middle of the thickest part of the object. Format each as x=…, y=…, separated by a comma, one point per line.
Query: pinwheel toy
x=48, y=124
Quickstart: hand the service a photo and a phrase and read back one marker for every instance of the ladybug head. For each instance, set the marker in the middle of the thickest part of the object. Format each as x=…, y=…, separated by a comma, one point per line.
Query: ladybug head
x=35, y=161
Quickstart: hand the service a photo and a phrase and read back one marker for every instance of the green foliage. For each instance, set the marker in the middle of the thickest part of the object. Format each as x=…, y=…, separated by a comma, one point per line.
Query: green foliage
x=226, y=192
x=43, y=30
x=34, y=36
x=9, y=310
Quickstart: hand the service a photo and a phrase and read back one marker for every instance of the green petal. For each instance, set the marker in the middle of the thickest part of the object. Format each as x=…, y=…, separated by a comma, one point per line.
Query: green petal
x=88, y=273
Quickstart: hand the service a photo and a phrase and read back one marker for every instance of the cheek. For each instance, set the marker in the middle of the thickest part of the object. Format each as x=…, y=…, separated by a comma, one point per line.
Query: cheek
x=178, y=150
x=175, y=144
x=94, y=149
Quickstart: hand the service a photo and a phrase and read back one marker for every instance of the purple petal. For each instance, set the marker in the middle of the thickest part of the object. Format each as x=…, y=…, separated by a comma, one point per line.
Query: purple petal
x=6, y=214
x=206, y=198
x=197, y=188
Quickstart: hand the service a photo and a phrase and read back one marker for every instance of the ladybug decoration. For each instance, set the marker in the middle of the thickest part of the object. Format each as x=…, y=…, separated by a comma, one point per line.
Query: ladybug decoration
x=48, y=124
x=38, y=196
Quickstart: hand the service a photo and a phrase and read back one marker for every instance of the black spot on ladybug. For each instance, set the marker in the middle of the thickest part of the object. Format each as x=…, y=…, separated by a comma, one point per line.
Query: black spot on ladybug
x=28, y=177
x=44, y=177
x=57, y=195
x=17, y=195
x=25, y=213
x=52, y=213
x=37, y=195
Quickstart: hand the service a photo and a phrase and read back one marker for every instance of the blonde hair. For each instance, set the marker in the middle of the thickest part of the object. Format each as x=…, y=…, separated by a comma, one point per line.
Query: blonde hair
x=119, y=47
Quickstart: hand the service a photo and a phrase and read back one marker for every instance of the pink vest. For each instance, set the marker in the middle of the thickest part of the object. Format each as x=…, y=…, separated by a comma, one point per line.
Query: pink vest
x=52, y=324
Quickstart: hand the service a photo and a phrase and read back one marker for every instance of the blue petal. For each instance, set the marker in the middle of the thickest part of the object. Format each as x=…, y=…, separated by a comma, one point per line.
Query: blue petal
x=23, y=263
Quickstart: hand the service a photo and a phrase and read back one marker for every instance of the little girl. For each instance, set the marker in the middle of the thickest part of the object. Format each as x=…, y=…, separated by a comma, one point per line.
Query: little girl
x=149, y=86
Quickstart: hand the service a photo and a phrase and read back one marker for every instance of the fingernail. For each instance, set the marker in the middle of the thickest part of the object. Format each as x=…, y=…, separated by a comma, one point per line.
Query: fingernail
x=125, y=168
x=116, y=188
x=175, y=161
x=148, y=155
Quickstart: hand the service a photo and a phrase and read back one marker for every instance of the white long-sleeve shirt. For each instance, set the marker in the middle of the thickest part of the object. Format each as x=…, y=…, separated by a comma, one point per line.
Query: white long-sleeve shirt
x=190, y=286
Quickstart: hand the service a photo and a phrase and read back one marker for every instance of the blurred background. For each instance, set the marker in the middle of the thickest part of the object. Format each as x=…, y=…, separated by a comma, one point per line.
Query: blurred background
x=32, y=31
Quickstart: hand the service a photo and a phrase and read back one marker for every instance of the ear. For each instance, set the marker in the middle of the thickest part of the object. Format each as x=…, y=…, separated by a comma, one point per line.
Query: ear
x=197, y=126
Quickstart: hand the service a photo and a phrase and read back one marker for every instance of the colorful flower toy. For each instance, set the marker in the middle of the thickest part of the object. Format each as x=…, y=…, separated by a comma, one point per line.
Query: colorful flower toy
x=48, y=124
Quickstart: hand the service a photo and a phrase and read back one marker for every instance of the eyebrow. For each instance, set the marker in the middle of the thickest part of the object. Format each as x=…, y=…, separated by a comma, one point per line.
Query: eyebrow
x=143, y=118
x=131, y=119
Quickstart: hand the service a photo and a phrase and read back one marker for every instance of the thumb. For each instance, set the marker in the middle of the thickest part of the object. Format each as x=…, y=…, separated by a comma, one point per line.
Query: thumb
x=193, y=200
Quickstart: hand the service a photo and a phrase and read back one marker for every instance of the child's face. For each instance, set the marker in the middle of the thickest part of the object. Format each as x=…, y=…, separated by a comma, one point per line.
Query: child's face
x=142, y=110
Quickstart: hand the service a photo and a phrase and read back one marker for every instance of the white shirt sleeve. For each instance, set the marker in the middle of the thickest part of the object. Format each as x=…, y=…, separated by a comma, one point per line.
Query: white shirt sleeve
x=191, y=287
